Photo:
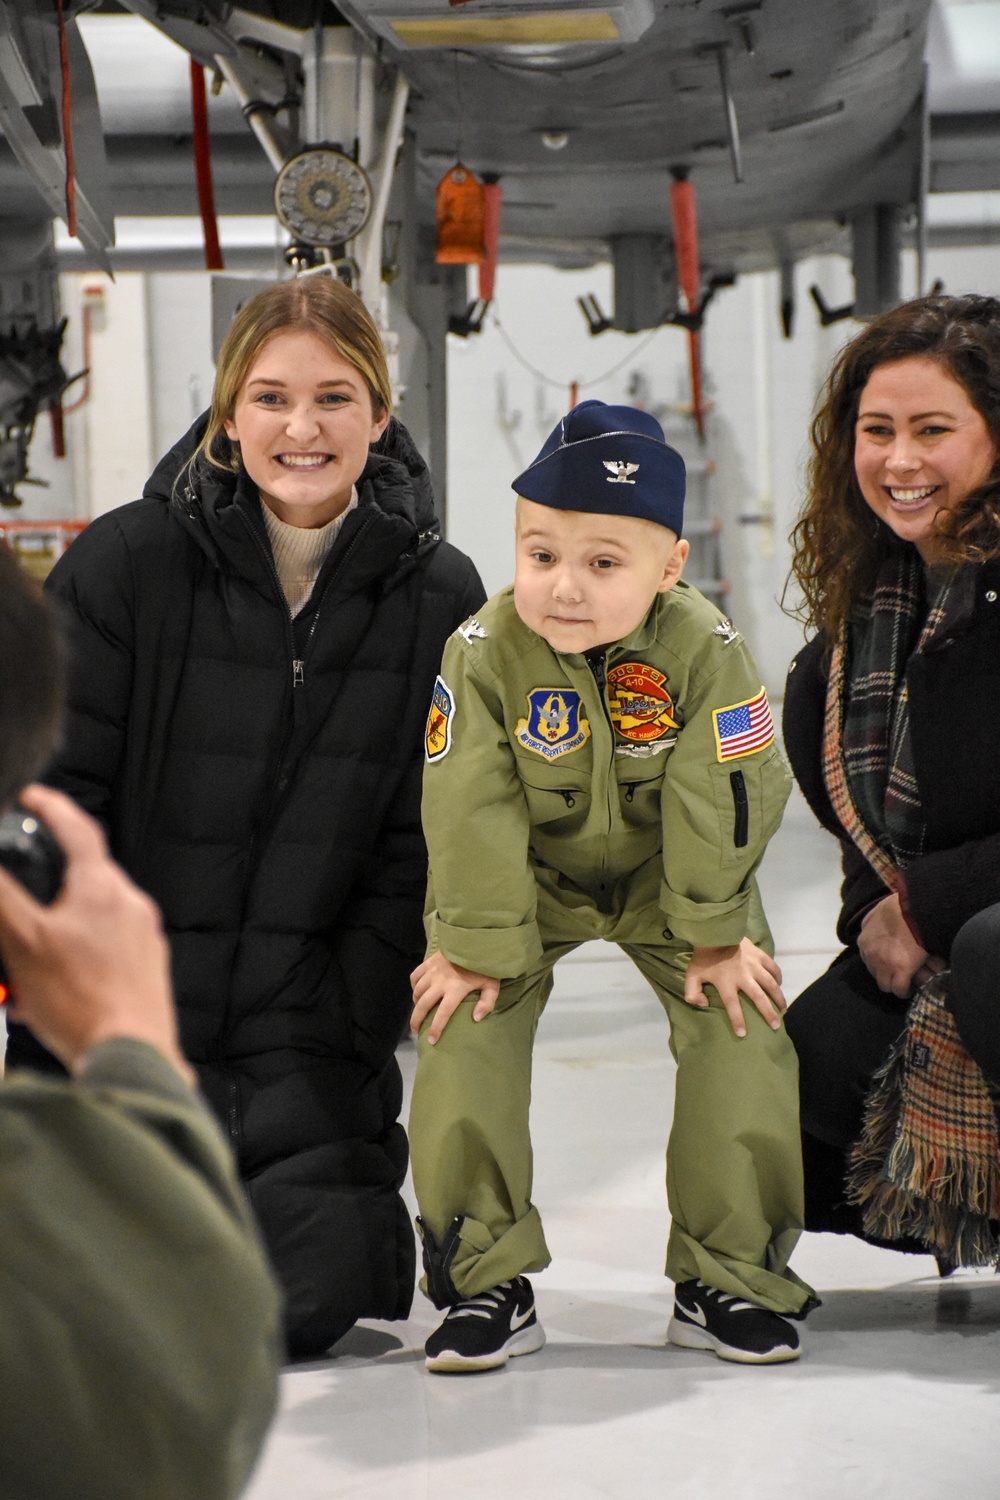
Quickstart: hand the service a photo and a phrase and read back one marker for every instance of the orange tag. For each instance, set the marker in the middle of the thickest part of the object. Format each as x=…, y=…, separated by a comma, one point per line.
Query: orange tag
x=461, y=218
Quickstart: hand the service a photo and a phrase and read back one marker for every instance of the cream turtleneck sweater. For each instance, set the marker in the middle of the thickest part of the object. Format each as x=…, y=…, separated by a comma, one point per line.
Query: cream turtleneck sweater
x=300, y=551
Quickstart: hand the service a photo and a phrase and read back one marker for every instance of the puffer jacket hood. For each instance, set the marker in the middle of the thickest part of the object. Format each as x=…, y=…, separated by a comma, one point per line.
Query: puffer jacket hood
x=214, y=504
x=394, y=466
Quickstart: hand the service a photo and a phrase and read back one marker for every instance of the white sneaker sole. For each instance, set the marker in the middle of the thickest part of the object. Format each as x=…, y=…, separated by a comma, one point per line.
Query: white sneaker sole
x=690, y=1336
x=526, y=1341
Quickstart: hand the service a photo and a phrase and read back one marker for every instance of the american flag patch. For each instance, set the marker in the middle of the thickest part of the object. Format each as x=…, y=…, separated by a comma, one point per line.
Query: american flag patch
x=743, y=728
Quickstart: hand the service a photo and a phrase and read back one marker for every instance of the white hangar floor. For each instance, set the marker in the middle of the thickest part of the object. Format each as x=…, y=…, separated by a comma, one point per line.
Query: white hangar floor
x=896, y=1396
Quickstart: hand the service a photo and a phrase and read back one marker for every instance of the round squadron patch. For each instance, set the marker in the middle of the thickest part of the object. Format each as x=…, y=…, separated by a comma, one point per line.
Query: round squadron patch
x=641, y=708
x=555, y=724
x=437, y=735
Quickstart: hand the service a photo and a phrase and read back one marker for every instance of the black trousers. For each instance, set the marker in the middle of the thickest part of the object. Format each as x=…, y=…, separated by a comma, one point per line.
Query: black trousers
x=843, y=1026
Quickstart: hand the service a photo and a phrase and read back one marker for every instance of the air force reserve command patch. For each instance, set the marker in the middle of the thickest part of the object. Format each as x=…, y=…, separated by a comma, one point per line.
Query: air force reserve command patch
x=743, y=728
x=641, y=708
x=437, y=735
x=555, y=724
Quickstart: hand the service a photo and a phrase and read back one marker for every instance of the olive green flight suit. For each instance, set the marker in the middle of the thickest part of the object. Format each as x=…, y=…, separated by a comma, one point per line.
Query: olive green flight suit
x=627, y=796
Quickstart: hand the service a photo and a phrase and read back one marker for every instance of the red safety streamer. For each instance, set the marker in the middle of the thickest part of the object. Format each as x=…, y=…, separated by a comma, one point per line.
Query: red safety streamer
x=685, y=219
x=491, y=240
x=203, y=169
x=67, y=124
x=84, y=396
x=58, y=430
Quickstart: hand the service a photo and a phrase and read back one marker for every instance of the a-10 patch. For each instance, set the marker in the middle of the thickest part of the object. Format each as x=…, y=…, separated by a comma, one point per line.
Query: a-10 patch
x=437, y=735
x=555, y=724
x=641, y=708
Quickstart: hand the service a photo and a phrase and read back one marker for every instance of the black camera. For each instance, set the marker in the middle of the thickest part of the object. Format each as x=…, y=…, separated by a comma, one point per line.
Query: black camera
x=30, y=853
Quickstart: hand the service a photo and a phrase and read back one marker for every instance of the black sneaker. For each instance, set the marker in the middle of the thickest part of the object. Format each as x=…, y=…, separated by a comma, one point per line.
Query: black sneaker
x=483, y=1332
x=708, y=1319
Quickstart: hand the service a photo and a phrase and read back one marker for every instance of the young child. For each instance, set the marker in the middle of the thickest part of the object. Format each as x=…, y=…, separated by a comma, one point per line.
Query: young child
x=601, y=764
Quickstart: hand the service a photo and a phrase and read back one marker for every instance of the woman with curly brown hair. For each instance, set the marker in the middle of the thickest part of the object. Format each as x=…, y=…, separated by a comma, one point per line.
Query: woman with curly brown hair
x=890, y=725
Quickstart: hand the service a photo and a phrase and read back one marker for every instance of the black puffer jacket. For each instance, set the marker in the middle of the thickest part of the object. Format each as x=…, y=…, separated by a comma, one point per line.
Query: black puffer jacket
x=261, y=779
x=954, y=693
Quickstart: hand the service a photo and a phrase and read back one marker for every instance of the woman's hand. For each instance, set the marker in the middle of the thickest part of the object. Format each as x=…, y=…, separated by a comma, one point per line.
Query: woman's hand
x=891, y=953
x=741, y=968
x=437, y=981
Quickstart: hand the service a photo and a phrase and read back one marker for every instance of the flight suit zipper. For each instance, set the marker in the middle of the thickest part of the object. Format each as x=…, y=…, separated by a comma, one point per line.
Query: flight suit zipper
x=597, y=662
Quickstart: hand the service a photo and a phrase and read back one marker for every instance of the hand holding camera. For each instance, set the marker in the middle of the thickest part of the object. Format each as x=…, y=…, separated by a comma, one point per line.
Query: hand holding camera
x=94, y=963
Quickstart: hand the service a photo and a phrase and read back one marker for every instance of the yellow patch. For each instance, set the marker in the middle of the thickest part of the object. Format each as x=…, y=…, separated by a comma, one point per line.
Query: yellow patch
x=437, y=735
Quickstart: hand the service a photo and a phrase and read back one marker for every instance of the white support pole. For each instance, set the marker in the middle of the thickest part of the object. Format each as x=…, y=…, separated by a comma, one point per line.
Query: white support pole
x=368, y=244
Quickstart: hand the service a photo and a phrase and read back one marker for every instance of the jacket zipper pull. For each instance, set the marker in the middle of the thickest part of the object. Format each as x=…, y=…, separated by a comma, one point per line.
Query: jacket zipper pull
x=599, y=668
x=299, y=700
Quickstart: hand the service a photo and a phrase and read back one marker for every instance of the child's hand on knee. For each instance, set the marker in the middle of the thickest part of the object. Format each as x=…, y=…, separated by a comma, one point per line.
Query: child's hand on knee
x=437, y=981
x=744, y=969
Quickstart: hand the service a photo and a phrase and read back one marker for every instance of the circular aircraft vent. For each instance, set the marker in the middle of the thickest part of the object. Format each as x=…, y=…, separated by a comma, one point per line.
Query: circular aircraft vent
x=322, y=197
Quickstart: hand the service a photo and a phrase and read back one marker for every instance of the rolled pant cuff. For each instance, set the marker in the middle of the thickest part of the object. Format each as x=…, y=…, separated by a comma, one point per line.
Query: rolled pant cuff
x=481, y=1262
x=780, y=1292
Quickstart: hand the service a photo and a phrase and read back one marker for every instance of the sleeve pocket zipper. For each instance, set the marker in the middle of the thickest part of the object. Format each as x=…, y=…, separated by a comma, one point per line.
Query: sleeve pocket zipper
x=741, y=805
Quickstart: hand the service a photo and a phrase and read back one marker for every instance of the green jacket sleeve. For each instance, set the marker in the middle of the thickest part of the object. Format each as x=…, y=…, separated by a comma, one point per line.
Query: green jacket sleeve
x=475, y=820
x=719, y=810
x=139, y=1332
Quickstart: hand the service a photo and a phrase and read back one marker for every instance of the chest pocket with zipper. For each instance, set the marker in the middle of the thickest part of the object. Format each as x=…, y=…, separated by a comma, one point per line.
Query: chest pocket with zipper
x=640, y=786
x=558, y=796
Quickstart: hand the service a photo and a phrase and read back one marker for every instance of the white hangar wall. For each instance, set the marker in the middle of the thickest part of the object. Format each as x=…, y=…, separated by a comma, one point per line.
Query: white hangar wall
x=762, y=388
x=151, y=374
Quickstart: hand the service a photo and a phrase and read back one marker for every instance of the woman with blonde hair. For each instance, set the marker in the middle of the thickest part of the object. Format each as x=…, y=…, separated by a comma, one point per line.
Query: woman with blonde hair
x=253, y=650
x=890, y=724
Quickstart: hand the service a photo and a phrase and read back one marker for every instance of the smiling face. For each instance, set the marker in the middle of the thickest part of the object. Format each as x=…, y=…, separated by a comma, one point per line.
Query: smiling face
x=585, y=580
x=304, y=421
x=920, y=447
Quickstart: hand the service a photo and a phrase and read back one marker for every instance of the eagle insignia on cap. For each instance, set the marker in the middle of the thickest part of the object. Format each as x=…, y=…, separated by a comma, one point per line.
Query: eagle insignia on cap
x=620, y=471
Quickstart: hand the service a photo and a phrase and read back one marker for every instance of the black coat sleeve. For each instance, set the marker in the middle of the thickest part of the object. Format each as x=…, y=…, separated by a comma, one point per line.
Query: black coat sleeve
x=943, y=889
x=802, y=726
x=381, y=935
x=946, y=888
x=92, y=586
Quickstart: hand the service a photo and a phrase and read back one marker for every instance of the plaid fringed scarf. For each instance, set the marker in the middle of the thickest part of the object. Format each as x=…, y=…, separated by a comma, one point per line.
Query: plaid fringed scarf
x=928, y=1161
x=867, y=750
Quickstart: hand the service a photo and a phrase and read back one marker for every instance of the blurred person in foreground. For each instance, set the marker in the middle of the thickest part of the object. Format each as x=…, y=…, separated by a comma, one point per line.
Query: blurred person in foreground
x=140, y=1327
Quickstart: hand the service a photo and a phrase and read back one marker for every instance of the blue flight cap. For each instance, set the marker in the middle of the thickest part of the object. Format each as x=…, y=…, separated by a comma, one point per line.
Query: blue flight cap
x=609, y=460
